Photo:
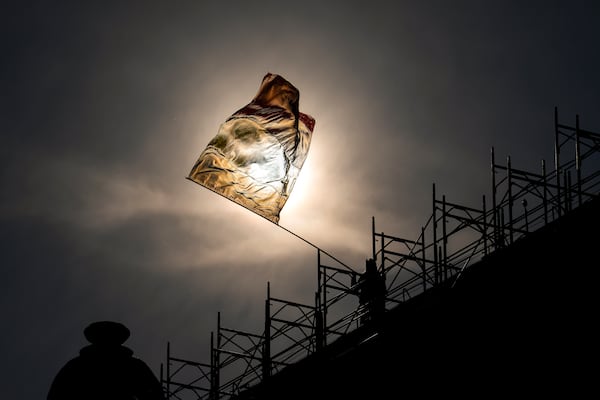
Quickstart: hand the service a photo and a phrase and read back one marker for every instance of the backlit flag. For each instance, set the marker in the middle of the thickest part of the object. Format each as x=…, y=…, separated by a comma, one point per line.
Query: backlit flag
x=258, y=152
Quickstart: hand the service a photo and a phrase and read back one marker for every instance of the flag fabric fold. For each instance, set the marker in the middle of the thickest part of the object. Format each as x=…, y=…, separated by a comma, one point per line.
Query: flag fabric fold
x=258, y=152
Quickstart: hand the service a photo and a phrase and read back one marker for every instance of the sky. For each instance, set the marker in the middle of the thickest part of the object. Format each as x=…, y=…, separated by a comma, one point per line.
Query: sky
x=105, y=107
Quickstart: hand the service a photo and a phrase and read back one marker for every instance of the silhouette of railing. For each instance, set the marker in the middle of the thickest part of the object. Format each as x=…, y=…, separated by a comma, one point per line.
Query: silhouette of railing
x=453, y=238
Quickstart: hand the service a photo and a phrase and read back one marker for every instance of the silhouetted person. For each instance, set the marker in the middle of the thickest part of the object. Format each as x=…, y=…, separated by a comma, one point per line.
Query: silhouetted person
x=105, y=369
x=371, y=286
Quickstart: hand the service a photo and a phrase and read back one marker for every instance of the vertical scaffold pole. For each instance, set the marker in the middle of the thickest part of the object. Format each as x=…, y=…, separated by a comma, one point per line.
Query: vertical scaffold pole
x=545, y=192
x=510, y=200
x=217, y=355
x=436, y=278
x=266, y=356
x=373, y=239
x=323, y=289
x=214, y=389
x=444, y=239
x=318, y=323
x=557, y=161
x=578, y=159
x=423, y=265
x=495, y=216
x=168, y=394
x=319, y=283
x=382, y=267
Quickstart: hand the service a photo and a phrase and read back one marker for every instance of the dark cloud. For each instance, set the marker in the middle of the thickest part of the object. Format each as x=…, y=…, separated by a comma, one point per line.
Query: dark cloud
x=105, y=107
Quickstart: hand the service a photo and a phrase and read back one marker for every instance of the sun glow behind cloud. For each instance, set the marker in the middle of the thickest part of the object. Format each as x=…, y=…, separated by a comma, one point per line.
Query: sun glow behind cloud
x=328, y=205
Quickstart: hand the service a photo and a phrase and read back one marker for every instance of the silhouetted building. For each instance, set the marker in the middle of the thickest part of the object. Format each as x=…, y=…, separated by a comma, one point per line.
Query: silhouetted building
x=106, y=369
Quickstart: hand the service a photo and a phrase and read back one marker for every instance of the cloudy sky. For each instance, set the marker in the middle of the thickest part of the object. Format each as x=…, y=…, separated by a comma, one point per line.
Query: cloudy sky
x=106, y=107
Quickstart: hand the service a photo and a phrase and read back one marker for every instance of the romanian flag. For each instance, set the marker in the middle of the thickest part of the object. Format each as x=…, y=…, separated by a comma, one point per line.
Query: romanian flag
x=258, y=152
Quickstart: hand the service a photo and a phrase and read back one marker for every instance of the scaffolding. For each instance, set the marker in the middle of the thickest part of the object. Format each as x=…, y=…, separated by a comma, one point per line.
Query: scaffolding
x=453, y=238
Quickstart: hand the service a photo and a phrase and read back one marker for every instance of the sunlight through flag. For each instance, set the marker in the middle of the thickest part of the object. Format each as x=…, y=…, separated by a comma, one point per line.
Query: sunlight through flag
x=258, y=152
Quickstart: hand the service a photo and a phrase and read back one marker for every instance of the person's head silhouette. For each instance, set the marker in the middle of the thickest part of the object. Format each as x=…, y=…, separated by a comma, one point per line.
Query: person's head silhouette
x=106, y=333
x=105, y=369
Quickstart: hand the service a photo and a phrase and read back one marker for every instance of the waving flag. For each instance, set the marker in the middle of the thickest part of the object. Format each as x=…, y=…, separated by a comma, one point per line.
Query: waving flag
x=258, y=152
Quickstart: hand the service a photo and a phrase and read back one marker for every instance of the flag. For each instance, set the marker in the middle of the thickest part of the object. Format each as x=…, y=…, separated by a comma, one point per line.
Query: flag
x=258, y=152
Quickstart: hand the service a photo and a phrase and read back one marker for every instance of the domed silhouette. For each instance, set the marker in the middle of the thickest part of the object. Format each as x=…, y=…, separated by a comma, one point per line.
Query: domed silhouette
x=105, y=369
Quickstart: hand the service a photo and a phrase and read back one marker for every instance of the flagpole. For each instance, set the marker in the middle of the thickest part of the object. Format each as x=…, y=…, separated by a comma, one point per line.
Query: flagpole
x=311, y=244
x=274, y=223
